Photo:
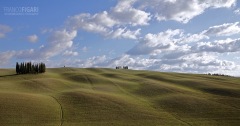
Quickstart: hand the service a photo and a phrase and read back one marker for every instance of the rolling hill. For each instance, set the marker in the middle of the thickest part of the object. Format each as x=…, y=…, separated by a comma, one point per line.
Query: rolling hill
x=98, y=96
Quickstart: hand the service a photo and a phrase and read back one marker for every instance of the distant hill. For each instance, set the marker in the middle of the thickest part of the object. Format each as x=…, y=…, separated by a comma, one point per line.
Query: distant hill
x=94, y=96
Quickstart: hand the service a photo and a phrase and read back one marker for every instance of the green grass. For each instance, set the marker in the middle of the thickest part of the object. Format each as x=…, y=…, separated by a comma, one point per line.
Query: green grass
x=75, y=97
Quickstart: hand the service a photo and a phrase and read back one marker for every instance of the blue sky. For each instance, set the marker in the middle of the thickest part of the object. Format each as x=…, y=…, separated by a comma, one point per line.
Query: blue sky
x=163, y=35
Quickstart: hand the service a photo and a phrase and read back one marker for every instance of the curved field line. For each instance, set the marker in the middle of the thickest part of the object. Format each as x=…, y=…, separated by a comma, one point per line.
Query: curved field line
x=178, y=118
x=61, y=110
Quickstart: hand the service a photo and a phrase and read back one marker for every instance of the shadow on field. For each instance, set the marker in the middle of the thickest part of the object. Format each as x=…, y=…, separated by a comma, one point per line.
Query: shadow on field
x=223, y=92
x=8, y=75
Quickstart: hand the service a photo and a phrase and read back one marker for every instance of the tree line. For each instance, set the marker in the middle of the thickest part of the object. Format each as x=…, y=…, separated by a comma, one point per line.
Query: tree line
x=216, y=74
x=121, y=67
x=30, y=68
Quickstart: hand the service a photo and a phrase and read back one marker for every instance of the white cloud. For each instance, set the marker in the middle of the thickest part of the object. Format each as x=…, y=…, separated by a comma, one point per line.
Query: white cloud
x=70, y=53
x=96, y=61
x=104, y=19
x=237, y=11
x=124, y=33
x=125, y=13
x=6, y=56
x=220, y=46
x=58, y=42
x=193, y=38
x=173, y=50
x=156, y=43
x=86, y=22
x=112, y=23
x=182, y=11
x=165, y=42
x=219, y=3
x=32, y=38
x=3, y=30
x=226, y=29
x=97, y=25
x=204, y=62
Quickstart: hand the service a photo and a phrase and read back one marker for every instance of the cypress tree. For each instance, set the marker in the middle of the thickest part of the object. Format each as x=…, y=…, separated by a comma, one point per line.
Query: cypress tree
x=44, y=68
x=36, y=68
x=21, y=68
x=32, y=68
x=17, y=68
x=28, y=67
x=40, y=67
x=24, y=68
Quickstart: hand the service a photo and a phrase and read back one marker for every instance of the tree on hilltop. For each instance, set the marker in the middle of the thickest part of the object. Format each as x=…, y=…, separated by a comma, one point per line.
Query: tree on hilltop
x=28, y=67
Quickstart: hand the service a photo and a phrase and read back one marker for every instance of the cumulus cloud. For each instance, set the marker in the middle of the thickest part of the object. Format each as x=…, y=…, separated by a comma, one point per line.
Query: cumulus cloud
x=165, y=42
x=203, y=62
x=112, y=23
x=124, y=33
x=189, y=38
x=4, y=29
x=219, y=46
x=155, y=43
x=95, y=24
x=140, y=12
x=174, y=50
x=105, y=19
x=70, y=53
x=219, y=3
x=182, y=11
x=32, y=38
x=226, y=29
x=58, y=41
x=125, y=13
x=95, y=61
x=86, y=22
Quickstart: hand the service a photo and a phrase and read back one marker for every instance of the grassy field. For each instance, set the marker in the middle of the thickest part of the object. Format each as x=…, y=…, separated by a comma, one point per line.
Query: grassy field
x=75, y=97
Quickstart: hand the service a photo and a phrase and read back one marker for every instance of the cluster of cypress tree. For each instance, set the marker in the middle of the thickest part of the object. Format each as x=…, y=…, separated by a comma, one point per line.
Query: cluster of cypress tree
x=28, y=67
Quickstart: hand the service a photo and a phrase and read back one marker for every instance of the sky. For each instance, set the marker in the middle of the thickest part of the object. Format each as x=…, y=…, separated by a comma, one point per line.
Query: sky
x=188, y=36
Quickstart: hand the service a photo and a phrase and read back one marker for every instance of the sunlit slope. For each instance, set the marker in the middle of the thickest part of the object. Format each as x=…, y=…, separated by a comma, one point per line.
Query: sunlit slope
x=71, y=96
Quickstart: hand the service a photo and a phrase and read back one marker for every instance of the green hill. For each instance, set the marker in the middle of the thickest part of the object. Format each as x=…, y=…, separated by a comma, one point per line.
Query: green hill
x=75, y=97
